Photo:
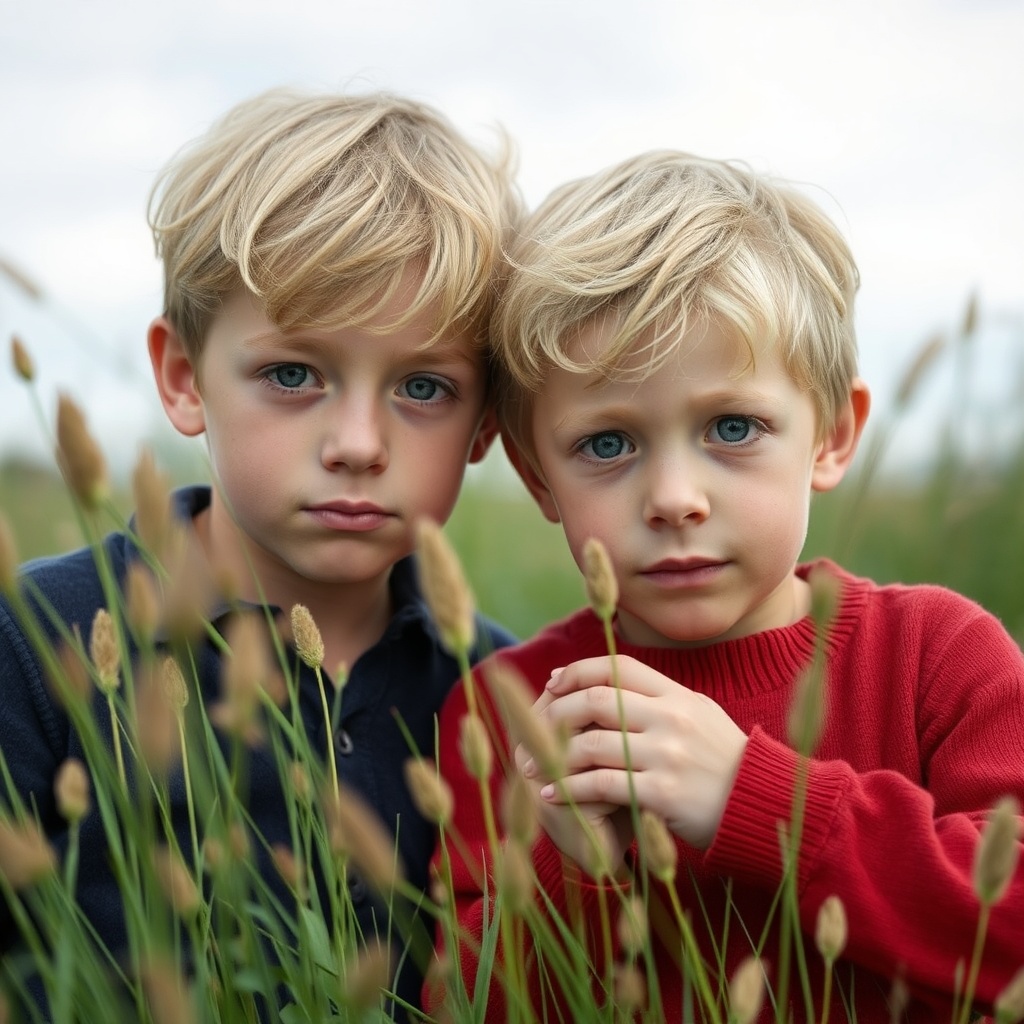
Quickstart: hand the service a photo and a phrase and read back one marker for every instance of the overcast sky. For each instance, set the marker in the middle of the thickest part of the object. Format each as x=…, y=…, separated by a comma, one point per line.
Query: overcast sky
x=905, y=119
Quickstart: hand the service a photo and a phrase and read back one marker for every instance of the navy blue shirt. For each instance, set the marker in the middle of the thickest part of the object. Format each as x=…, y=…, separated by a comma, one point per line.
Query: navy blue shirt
x=406, y=672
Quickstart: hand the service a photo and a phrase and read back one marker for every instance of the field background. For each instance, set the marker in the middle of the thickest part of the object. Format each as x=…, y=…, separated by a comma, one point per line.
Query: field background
x=956, y=518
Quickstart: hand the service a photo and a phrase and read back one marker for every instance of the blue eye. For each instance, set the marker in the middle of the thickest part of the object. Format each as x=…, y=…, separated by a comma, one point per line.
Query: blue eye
x=290, y=376
x=424, y=389
x=732, y=429
x=609, y=445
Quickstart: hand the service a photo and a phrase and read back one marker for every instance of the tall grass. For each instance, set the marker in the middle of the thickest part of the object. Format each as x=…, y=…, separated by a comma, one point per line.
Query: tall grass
x=211, y=940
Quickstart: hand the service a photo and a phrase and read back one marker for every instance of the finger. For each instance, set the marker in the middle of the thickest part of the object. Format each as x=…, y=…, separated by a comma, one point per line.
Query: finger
x=598, y=786
x=542, y=701
x=629, y=673
x=602, y=707
x=605, y=748
x=595, y=748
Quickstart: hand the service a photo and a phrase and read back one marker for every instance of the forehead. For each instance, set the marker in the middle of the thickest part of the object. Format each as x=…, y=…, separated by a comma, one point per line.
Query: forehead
x=397, y=315
x=705, y=349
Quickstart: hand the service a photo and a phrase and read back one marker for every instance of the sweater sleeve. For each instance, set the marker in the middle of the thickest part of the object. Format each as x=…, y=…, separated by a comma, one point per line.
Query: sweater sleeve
x=900, y=852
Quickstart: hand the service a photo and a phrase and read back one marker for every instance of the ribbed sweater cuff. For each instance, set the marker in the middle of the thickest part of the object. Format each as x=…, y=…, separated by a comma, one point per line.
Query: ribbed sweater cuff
x=747, y=845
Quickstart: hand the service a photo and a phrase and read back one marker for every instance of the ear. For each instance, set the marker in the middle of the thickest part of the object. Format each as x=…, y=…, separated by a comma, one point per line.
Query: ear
x=175, y=378
x=533, y=479
x=486, y=432
x=839, y=447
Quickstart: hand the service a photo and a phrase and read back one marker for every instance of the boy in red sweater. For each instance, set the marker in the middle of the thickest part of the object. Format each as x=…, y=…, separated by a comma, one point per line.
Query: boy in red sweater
x=679, y=366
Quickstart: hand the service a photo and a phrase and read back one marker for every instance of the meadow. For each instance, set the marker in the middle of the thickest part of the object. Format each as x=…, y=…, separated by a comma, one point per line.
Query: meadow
x=210, y=941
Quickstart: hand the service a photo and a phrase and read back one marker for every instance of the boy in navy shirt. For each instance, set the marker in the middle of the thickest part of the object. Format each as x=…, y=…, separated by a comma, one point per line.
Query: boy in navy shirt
x=328, y=265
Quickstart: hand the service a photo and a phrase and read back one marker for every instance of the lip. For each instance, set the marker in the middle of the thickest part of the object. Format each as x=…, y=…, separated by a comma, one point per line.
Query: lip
x=683, y=572
x=349, y=516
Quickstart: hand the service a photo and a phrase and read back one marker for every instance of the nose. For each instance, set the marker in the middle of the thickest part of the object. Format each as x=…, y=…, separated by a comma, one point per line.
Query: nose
x=354, y=435
x=675, y=492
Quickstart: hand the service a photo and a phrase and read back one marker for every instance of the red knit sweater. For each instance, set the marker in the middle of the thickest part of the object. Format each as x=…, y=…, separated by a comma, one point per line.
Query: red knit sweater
x=923, y=732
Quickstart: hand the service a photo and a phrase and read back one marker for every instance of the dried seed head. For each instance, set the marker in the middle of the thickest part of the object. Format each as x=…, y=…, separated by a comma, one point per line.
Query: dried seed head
x=104, y=651
x=430, y=793
x=440, y=893
x=142, y=602
x=602, y=588
x=515, y=878
x=998, y=851
x=915, y=372
x=302, y=785
x=825, y=591
x=659, y=847
x=69, y=681
x=632, y=926
x=1009, y=1005
x=899, y=997
x=174, y=683
x=247, y=670
x=830, y=930
x=71, y=787
x=807, y=712
x=630, y=988
x=217, y=855
x=445, y=588
x=308, y=641
x=79, y=456
x=524, y=726
x=25, y=855
x=8, y=558
x=475, y=747
x=238, y=841
x=177, y=884
x=151, y=490
x=189, y=592
x=289, y=869
x=23, y=365
x=518, y=811
x=746, y=991
x=156, y=720
x=355, y=831
x=366, y=977
x=167, y=993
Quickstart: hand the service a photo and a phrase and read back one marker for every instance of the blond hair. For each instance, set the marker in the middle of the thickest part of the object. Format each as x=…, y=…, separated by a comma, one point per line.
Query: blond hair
x=318, y=204
x=659, y=244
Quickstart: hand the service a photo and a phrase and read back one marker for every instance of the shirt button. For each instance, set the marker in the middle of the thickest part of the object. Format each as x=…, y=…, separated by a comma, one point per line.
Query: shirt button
x=343, y=743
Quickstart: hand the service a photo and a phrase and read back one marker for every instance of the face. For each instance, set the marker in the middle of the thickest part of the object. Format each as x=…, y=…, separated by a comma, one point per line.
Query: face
x=328, y=445
x=697, y=481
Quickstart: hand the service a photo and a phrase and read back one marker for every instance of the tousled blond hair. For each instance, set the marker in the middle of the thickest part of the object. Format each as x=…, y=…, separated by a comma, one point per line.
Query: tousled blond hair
x=662, y=243
x=318, y=204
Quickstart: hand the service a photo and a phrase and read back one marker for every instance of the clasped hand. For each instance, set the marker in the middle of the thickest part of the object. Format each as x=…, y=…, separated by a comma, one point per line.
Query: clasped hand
x=681, y=748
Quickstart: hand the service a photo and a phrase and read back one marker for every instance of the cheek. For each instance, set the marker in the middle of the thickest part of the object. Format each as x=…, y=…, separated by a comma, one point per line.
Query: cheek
x=777, y=512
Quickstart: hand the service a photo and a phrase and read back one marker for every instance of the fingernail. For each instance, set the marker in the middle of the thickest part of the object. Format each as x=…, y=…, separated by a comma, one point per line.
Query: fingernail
x=530, y=768
x=547, y=792
x=555, y=673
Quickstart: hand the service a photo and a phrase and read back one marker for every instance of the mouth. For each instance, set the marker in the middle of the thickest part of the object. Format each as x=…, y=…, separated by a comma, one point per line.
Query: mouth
x=349, y=516
x=683, y=572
